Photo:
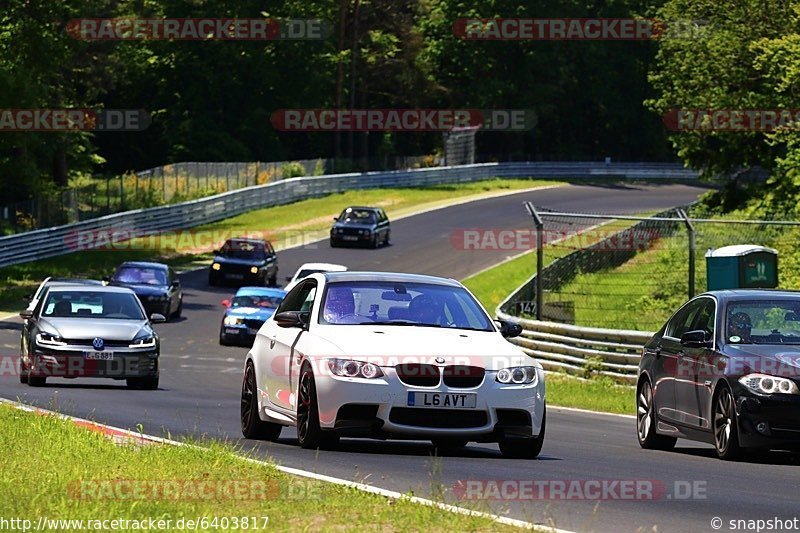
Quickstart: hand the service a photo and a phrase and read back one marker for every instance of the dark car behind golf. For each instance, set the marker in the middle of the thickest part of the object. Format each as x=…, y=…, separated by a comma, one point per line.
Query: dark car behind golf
x=244, y=262
x=365, y=226
x=156, y=285
x=725, y=369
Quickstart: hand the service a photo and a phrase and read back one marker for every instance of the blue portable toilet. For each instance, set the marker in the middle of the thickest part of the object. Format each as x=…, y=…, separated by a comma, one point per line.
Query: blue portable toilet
x=742, y=266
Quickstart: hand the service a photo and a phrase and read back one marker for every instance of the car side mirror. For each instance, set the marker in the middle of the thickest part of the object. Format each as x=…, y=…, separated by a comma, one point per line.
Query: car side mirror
x=509, y=329
x=106, y=279
x=336, y=219
x=288, y=278
x=292, y=319
x=216, y=252
x=176, y=283
x=27, y=314
x=695, y=339
x=157, y=318
x=226, y=303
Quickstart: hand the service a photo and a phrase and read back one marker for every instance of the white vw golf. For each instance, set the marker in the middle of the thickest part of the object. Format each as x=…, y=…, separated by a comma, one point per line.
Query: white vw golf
x=400, y=356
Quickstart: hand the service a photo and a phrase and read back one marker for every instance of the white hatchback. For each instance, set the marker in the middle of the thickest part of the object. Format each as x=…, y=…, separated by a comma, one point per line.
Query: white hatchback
x=384, y=355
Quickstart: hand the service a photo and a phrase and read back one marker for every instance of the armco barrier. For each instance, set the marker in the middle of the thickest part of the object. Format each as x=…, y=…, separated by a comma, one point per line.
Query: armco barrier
x=575, y=350
x=51, y=242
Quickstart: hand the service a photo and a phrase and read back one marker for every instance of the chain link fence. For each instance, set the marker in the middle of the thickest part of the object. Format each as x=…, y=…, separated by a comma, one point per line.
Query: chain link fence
x=618, y=272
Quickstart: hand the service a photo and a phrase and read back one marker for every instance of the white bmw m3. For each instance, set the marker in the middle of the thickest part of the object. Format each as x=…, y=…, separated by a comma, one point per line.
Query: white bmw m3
x=397, y=356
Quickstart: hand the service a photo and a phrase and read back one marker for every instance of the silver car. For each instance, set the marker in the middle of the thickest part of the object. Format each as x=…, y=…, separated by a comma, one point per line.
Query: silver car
x=89, y=331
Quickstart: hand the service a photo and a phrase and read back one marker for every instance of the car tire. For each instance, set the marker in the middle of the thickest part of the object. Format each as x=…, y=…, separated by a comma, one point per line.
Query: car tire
x=222, y=340
x=445, y=444
x=334, y=244
x=386, y=239
x=725, y=425
x=273, y=281
x=309, y=433
x=211, y=281
x=23, y=373
x=179, y=310
x=525, y=448
x=374, y=243
x=148, y=383
x=252, y=425
x=36, y=381
x=646, y=421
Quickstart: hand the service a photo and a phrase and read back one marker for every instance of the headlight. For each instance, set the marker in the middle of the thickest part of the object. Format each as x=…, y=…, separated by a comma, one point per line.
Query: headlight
x=347, y=368
x=765, y=384
x=47, y=339
x=518, y=375
x=254, y=270
x=145, y=341
x=233, y=320
x=215, y=266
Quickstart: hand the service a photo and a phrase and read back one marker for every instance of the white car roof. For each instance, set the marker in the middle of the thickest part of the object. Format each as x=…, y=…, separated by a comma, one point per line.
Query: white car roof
x=328, y=267
x=353, y=275
x=90, y=288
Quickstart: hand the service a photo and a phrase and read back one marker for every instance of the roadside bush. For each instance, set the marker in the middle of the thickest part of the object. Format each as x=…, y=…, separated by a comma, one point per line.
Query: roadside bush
x=292, y=169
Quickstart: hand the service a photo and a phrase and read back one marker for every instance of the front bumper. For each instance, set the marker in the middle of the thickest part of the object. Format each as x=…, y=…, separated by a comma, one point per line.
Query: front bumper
x=72, y=362
x=768, y=421
x=345, y=239
x=239, y=334
x=380, y=408
x=155, y=306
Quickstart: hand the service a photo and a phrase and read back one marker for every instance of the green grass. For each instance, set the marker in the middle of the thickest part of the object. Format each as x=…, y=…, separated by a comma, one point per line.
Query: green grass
x=493, y=285
x=54, y=469
x=302, y=221
x=595, y=394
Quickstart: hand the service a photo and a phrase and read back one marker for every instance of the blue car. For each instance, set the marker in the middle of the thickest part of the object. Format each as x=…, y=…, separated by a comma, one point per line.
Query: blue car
x=249, y=308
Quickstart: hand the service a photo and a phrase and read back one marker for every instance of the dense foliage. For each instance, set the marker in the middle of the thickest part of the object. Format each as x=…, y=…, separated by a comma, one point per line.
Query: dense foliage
x=212, y=100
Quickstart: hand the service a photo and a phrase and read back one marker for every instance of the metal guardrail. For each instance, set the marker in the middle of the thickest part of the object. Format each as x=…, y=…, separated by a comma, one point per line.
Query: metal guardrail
x=51, y=242
x=581, y=351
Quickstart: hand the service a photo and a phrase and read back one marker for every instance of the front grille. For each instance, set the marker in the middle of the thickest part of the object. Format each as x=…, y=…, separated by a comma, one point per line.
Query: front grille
x=106, y=343
x=348, y=231
x=253, y=323
x=231, y=268
x=418, y=374
x=357, y=411
x=437, y=418
x=462, y=376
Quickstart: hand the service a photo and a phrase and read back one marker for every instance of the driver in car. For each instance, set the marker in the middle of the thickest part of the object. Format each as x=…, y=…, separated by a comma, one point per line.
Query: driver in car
x=739, y=327
x=340, y=305
x=426, y=309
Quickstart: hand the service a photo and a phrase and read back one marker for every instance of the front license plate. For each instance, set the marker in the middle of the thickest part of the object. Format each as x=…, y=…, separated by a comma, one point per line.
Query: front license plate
x=100, y=356
x=442, y=400
x=231, y=331
x=234, y=276
x=350, y=238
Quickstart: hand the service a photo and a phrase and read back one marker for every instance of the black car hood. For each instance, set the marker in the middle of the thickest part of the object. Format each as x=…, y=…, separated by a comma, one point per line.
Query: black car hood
x=224, y=260
x=144, y=290
x=353, y=225
x=775, y=359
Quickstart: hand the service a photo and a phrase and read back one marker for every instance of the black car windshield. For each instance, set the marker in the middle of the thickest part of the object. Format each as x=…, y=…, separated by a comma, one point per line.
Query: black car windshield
x=418, y=304
x=256, y=300
x=763, y=322
x=358, y=216
x=141, y=275
x=95, y=304
x=243, y=250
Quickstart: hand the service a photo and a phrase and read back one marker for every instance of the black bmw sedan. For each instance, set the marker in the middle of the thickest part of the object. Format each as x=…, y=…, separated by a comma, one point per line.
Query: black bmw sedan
x=366, y=226
x=243, y=261
x=156, y=285
x=725, y=369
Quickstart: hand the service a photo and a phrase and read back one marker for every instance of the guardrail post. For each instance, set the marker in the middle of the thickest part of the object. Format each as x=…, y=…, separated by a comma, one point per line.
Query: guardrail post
x=537, y=220
x=690, y=229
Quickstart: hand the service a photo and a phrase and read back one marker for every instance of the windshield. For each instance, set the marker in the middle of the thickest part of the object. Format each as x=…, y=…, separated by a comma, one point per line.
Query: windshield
x=305, y=273
x=418, y=304
x=257, y=300
x=763, y=322
x=358, y=216
x=141, y=275
x=80, y=304
x=243, y=250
